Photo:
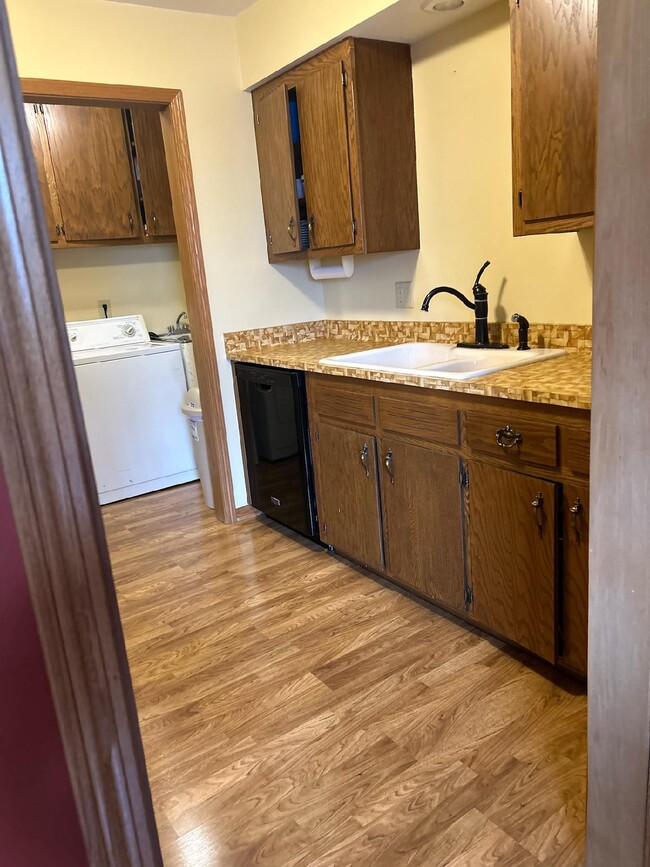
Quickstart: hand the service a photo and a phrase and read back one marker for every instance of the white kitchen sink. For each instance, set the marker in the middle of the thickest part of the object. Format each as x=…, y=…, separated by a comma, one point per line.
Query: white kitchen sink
x=439, y=360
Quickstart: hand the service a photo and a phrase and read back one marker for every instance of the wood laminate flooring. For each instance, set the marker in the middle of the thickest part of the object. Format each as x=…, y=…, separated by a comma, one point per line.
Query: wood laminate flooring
x=296, y=711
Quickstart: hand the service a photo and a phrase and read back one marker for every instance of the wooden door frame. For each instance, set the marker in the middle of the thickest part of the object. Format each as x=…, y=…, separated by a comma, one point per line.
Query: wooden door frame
x=618, y=821
x=179, y=167
x=46, y=462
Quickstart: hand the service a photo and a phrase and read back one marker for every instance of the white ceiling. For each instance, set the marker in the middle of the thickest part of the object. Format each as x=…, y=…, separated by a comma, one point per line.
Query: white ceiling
x=405, y=21
x=212, y=7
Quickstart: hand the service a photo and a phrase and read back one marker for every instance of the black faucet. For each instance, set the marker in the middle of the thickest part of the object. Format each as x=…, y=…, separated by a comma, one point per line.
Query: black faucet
x=524, y=325
x=479, y=306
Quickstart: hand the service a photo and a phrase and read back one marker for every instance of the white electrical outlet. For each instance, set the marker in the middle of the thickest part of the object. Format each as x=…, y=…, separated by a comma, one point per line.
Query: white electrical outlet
x=104, y=308
x=403, y=295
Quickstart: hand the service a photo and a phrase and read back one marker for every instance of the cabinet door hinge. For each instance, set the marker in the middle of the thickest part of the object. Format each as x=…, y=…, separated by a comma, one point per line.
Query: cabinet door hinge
x=517, y=3
x=354, y=228
x=317, y=437
x=257, y=119
x=344, y=77
x=520, y=198
x=469, y=596
x=324, y=528
x=464, y=476
x=270, y=240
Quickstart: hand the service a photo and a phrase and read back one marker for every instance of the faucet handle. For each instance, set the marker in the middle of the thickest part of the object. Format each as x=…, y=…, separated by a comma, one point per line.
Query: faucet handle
x=524, y=325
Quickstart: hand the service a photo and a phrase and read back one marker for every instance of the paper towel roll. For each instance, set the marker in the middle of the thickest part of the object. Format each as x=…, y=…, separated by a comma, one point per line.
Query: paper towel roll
x=333, y=271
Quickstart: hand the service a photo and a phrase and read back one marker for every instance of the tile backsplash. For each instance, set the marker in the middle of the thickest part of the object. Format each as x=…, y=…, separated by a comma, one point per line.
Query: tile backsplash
x=569, y=337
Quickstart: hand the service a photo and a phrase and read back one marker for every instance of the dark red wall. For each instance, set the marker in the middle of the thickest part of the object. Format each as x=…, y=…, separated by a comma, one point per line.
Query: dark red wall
x=39, y=826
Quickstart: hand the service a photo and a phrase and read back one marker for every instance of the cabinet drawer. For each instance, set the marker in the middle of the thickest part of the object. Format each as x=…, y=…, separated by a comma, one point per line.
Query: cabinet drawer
x=506, y=435
x=436, y=424
x=344, y=403
x=575, y=450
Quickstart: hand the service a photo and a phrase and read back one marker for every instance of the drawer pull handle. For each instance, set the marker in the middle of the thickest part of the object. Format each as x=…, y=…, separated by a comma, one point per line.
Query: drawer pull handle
x=364, y=459
x=538, y=506
x=575, y=510
x=508, y=438
x=388, y=463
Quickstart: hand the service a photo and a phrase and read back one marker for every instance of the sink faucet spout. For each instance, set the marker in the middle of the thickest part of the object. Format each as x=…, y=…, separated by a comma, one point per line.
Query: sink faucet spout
x=479, y=306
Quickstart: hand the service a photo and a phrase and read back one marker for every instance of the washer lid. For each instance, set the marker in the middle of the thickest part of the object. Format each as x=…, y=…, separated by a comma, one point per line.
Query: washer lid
x=117, y=331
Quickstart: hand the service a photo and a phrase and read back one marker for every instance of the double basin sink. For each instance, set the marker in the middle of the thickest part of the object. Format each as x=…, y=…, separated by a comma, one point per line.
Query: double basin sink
x=439, y=360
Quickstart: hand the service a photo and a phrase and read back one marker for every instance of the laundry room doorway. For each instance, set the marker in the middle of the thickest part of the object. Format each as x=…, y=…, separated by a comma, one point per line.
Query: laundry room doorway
x=165, y=106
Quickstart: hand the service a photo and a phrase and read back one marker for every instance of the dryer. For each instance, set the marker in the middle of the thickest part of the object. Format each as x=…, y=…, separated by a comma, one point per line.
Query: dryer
x=131, y=391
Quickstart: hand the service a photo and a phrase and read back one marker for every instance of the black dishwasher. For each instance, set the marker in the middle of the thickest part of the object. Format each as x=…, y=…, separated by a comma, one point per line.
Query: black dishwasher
x=273, y=407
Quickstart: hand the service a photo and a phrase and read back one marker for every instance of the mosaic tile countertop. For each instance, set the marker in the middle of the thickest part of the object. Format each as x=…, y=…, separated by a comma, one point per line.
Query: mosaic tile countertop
x=564, y=381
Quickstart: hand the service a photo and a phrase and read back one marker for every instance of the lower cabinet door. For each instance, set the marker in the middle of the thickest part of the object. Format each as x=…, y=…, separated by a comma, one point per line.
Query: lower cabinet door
x=348, y=496
x=575, y=586
x=423, y=534
x=512, y=552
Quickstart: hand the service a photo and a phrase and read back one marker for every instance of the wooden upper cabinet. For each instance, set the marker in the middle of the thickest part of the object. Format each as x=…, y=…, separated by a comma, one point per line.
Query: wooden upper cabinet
x=277, y=170
x=421, y=501
x=38, y=141
x=554, y=105
x=326, y=156
x=512, y=555
x=356, y=149
x=93, y=173
x=348, y=500
x=152, y=167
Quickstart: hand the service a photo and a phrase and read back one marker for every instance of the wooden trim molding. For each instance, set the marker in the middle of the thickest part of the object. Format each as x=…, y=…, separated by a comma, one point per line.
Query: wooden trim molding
x=46, y=463
x=188, y=234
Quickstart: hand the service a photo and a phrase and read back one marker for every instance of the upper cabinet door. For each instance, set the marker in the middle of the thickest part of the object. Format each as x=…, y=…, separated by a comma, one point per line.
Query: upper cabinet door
x=423, y=533
x=326, y=157
x=554, y=96
x=277, y=171
x=512, y=552
x=150, y=154
x=93, y=175
x=36, y=133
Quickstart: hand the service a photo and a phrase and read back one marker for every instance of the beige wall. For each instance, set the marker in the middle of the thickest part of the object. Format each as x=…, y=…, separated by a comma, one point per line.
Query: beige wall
x=461, y=80
x=94, y=40
x=273, y=34
x=145, y=279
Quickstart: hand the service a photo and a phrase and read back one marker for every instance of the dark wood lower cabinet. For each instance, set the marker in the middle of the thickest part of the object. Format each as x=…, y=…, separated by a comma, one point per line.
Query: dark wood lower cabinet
x=512, y=546
x=502, y=547
x=348, y=498
x=423, y=535
x=575, y=577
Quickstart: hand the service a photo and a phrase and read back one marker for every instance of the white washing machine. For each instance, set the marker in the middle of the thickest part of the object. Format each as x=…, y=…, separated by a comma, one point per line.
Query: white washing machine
x=131, y=390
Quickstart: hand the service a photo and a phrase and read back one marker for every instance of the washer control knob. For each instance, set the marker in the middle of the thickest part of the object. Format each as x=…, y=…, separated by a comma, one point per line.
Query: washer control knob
x=73, y=337
x=128, y=330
